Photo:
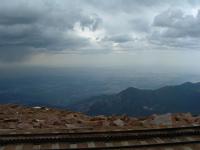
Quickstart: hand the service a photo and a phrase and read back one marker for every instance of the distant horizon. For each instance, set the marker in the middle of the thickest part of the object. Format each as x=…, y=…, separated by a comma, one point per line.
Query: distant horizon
x=63, y=51
x=149, y=34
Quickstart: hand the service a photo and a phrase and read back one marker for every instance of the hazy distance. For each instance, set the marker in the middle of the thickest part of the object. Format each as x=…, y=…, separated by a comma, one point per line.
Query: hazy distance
x=82, y=48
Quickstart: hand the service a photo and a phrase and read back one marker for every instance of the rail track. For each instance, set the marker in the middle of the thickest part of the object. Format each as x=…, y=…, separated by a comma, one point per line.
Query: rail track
x=124, y=139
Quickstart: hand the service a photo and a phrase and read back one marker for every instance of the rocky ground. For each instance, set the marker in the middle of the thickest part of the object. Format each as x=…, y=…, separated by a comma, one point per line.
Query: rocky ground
x=21, y=117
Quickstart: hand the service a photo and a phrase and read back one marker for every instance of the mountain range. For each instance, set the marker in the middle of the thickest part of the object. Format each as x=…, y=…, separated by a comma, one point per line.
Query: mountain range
x=140, y=102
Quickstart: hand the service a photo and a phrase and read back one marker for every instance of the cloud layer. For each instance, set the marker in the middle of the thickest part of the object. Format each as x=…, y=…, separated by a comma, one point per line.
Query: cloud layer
x=177, y=29
x=63, y=26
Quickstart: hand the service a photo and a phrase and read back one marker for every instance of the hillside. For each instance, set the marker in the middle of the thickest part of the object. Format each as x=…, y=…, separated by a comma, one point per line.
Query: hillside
x=20, y=117
x=140, y=102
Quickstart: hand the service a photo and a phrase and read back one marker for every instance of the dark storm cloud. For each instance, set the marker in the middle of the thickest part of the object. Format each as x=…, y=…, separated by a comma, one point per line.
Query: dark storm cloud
x=126, y=6
x=119, y=38
x=178, y=24
x=92, y=22
x=28, y=28
x=13, y=13
x=177, y=29
x=44, y=26
x=140, y=25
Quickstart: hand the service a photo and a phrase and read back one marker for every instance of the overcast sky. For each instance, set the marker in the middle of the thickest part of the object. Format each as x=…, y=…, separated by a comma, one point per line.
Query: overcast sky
x=100, y=32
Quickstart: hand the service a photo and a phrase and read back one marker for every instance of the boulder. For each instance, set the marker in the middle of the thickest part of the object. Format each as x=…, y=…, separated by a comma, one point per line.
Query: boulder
x=161, y=120
x=119, y=123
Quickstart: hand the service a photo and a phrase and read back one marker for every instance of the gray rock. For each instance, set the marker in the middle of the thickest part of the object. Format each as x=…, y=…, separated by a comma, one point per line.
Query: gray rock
x=119, y=122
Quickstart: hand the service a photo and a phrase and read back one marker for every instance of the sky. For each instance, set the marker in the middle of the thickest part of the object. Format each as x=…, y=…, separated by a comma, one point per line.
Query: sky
x=164, y=34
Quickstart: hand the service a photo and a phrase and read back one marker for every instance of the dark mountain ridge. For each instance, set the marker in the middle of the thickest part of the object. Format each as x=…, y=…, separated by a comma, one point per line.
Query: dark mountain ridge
x=139, y=102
